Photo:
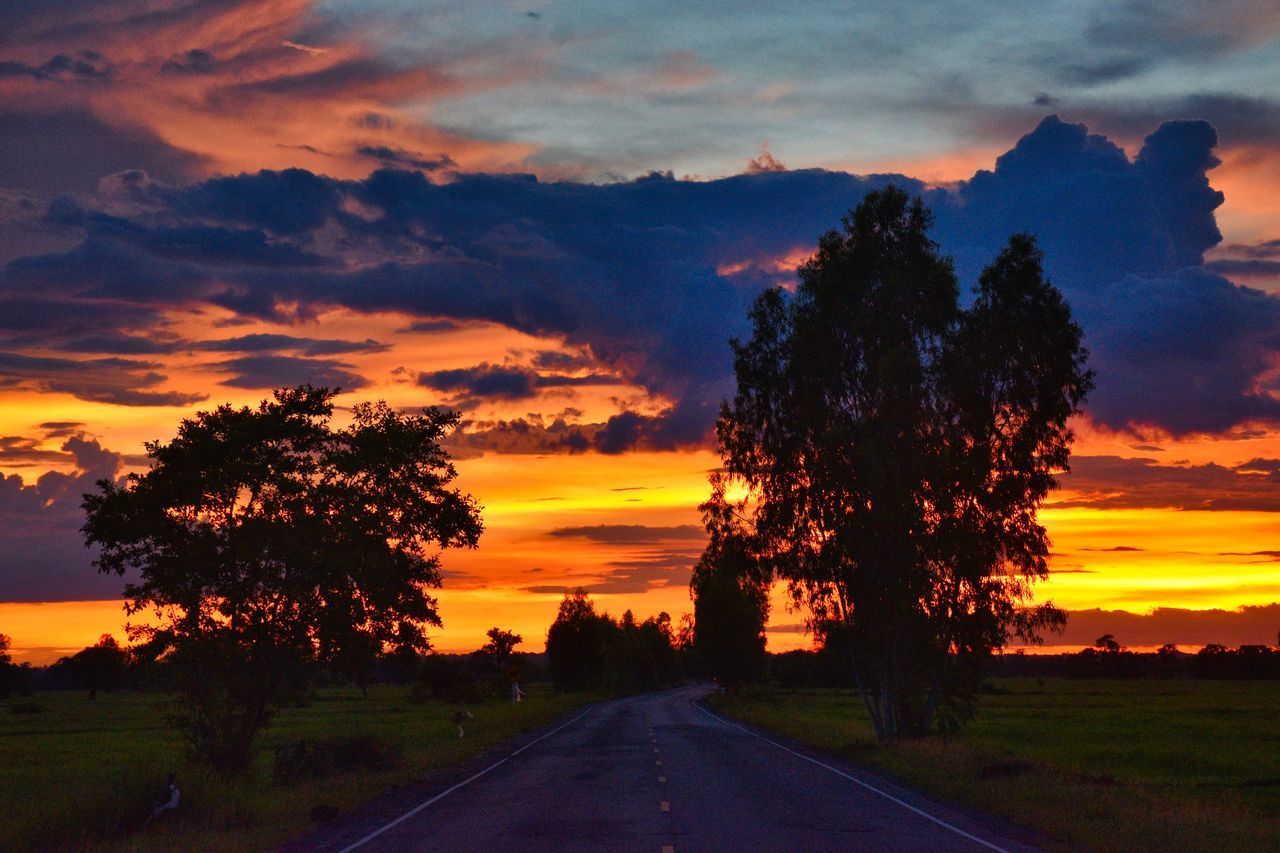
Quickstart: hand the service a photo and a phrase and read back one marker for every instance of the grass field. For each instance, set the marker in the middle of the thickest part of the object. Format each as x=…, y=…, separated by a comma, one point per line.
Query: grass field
x=1111, y=765
x=84, y=775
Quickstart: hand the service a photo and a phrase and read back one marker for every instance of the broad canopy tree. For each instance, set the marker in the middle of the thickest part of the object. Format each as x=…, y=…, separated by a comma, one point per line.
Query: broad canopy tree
x=894, y=447
x=263, y=538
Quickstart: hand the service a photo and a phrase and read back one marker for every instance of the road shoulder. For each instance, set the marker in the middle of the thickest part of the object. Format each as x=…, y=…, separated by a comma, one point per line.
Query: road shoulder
x=1012, y=837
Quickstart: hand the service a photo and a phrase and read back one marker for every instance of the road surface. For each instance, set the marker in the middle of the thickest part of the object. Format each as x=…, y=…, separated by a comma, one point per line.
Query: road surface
x=660, y=773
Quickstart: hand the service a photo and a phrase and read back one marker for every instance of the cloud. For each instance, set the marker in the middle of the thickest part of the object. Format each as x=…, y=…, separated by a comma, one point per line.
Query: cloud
x=1114, y=482
x=764, y=162
x=45, y=151
x=631, y=534
x=432, y=327
x=628, y=274
x=84, y=65
x=656, y=569
x=1245, y=625
x=484, y=380
x=278, y=371
x=124, y=382
x=44, y=558
x=1241, y=119
x=399, y=157
x=306, y=346
x=19, y=451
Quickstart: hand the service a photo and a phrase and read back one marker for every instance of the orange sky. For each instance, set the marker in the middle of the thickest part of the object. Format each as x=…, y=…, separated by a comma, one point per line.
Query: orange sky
x=226, y=88
x=1168, y=557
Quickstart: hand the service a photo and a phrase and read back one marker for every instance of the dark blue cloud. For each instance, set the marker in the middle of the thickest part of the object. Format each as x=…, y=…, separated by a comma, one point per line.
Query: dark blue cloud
x=71, y=150
x=83, y=65
x=650, y=278
x=399, y=157
x=44, y=558
x=123, y=382
x=278, y=371
x=484, y=380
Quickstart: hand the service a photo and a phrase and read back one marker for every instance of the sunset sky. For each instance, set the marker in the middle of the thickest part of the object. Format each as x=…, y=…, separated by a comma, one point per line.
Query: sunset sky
x=552, y=216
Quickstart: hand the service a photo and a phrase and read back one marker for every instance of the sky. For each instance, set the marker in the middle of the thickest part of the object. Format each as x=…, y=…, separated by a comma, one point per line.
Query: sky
x=553, y=216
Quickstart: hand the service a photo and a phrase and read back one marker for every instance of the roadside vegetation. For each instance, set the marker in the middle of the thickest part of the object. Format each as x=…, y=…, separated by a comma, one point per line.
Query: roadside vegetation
x=1106, y=764
x=81, y=774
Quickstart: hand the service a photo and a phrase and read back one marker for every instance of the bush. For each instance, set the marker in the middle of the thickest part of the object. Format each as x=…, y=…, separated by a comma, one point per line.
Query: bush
x=26, y=708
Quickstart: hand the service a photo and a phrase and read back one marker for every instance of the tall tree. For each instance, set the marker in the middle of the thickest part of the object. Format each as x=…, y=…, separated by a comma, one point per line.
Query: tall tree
x=577, y=643
x=895, y=448
x=264, y=538
x=730, y=590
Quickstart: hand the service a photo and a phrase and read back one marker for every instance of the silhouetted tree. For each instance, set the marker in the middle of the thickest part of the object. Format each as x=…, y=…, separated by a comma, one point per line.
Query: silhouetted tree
x=264, y=538
x=895, y=447
x=730, y=591
x=1108, y=645
x=639, y=655
x=102, y=666
x=577, y=642
x=7, y=669
x=587, y=650
x=501, y=645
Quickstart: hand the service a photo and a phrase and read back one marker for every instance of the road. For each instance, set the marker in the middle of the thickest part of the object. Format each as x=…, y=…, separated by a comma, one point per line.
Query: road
x=660, y=773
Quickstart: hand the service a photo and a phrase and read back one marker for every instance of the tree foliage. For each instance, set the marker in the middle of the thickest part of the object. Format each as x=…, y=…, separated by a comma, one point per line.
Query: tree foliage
x=263, y=538
x=895, y=448
x=102, y=666
x=500, y=646
x=8, y=671
x=587, y=650
x=730, y=590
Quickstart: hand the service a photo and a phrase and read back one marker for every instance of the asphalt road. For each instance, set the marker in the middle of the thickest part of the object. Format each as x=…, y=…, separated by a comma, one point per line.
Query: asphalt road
x=659, y=773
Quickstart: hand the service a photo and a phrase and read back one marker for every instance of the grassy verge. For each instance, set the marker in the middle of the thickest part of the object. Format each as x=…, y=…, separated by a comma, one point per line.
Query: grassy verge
x=84, y=775
x=1109, y=765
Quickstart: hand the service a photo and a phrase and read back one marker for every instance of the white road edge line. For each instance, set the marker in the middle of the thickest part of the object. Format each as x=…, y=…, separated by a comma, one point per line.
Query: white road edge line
x=854, y=779
x=440, y=796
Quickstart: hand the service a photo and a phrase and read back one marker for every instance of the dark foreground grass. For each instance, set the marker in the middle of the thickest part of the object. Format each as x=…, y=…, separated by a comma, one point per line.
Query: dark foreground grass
x=76, y=774
x=1112, y=765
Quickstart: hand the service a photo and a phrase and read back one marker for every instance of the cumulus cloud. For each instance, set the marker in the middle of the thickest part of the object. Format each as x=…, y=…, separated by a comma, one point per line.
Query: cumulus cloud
x=44, y=558
x=648, y=279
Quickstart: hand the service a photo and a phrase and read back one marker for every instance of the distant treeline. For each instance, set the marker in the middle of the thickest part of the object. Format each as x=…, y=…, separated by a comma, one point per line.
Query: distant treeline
x=826, y=667
x=586, y=651
x=1212, y=661
x=468, y=677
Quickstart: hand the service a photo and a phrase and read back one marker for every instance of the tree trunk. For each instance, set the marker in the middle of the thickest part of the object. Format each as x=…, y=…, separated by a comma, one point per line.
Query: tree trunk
x=873, y=709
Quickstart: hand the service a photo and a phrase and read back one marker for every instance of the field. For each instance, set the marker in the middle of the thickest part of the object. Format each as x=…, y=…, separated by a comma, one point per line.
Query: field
x=84, y=775
x=1112, y=765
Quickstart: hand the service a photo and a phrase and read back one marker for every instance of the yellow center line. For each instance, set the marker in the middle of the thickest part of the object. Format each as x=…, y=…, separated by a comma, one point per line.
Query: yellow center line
x=662, y=779
x=667, y=848
x=657, y=762
x=666, y=807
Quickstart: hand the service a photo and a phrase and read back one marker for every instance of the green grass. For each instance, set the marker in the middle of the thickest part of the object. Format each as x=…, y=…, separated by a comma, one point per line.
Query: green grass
x=78, y=774
x=1109, y=765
